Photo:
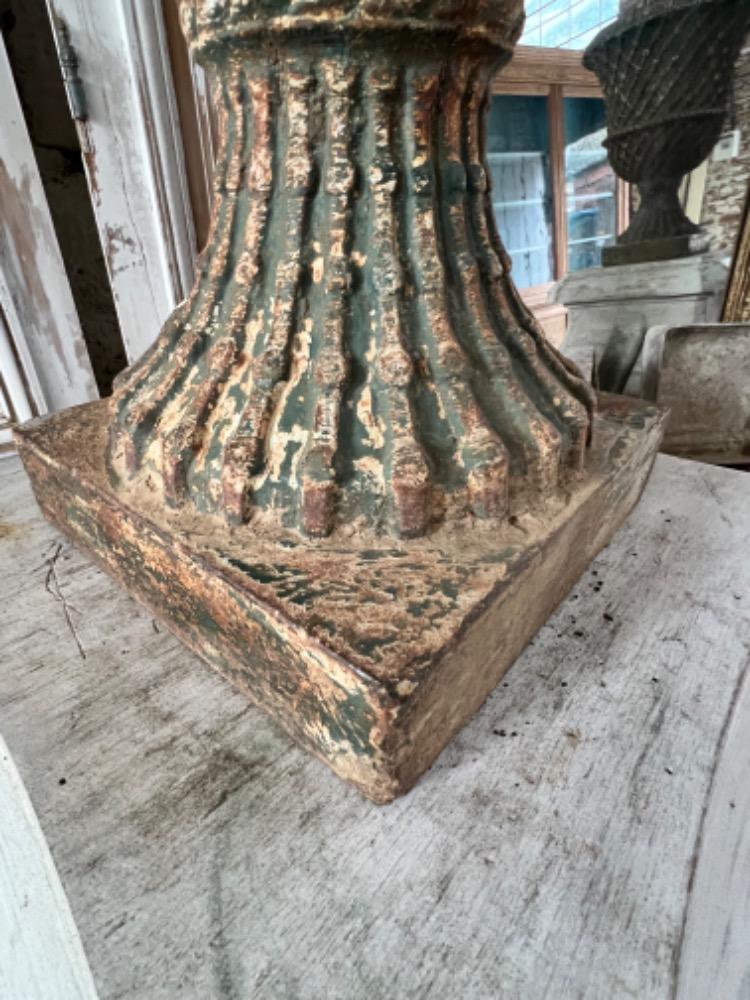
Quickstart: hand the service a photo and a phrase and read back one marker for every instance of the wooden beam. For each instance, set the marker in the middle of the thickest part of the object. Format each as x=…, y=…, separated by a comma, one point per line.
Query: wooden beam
x=131, y=140
x=551, y=66
x=508, y=87
x=187, y=92
x=582, y=90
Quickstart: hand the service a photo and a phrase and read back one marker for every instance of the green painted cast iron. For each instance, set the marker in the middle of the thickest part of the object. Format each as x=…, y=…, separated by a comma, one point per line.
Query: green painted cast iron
x=353, y=353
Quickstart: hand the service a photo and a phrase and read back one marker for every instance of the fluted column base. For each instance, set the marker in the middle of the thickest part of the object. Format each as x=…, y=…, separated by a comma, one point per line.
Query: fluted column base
x=353, y=351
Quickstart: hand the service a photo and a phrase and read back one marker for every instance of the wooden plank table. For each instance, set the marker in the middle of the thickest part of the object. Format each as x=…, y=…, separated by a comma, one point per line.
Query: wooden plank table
x=587, y=835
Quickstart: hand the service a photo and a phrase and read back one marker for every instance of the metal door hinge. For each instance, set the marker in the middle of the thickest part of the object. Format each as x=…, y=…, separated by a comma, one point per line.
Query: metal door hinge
x=69, y=64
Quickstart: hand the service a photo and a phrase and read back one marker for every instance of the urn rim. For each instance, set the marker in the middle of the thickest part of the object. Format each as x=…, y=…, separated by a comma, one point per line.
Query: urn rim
x=212, y=26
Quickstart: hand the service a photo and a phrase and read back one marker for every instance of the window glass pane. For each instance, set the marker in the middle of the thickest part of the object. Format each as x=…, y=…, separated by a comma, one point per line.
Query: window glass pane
x=569, y=24
x=590, y=183
x=518, y=155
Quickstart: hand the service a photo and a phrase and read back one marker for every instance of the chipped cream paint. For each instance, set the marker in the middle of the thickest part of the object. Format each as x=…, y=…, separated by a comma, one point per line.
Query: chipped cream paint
x=374, y=426
x=278, y=442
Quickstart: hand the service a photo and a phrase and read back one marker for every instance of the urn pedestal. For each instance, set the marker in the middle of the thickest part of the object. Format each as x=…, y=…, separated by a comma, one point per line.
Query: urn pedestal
x=655, y=334
x=612, y=309
x=351, y=473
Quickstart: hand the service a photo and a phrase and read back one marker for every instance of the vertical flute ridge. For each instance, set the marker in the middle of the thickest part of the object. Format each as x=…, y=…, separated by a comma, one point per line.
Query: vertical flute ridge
x=330, y=277
x=204, y=474
x=141, y=401
x=436, y=413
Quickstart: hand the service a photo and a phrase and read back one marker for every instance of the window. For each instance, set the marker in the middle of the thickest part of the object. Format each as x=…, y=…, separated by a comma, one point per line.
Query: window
x=518, y=152
x=590, y=183
x=556, y=199
x=569, y=24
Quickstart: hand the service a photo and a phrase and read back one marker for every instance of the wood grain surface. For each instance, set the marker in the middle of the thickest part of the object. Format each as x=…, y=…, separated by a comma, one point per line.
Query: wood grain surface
x=584, y=836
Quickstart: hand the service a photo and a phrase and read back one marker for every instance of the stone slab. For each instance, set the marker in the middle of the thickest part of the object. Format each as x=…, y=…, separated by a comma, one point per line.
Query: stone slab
x=704, y=276
x=702, y=375
x=373, y=657
x=611, y=309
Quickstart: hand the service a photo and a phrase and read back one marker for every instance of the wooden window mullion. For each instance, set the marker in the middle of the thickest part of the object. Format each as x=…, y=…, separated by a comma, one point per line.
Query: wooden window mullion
x=623, y=205
x=557, y=179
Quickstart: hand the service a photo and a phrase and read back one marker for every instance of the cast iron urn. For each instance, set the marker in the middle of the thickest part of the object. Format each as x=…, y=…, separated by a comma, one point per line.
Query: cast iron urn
x=351, y=473
x=667, y=69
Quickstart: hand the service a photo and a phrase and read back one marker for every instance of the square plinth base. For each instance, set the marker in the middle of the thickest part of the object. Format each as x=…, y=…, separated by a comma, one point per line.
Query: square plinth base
x=371, y=656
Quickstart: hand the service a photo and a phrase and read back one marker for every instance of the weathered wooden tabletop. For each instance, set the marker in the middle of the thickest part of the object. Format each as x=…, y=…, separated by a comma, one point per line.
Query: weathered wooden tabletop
x=587, y=835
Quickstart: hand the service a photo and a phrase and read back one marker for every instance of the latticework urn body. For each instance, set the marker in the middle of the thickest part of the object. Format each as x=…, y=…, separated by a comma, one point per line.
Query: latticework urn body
x=667, y=69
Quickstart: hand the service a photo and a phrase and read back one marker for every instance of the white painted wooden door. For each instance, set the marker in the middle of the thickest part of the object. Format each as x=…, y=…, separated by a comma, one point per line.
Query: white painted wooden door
x=44, y=364
x=119, y=83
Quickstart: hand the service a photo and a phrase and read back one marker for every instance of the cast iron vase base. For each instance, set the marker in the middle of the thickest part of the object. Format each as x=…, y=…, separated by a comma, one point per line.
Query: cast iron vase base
x=667, y=248
x=371, y=653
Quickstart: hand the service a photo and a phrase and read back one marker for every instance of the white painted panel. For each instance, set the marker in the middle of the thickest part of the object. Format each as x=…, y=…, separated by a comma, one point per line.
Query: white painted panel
x=34, y=292
x=41, y=955
x=6, y=420
x=132, y=150
x=15, y=405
